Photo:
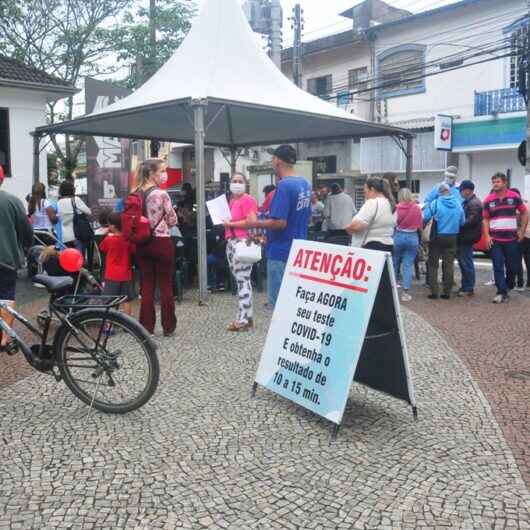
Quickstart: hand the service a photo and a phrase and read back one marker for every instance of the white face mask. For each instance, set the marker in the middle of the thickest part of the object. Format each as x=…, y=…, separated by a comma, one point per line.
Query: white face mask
x=163, y=177
x=237, y=187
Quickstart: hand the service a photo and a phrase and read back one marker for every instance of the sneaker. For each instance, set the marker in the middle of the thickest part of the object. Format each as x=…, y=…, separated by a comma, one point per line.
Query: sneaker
x=405, y=297
x=500, y=299
x=463, y=294
x=433, y=297
x=490, y=283
x=520, y=288
x=445, y=297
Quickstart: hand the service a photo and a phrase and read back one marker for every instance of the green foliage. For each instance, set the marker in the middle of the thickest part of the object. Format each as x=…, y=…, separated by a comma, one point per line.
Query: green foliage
x=130, y=38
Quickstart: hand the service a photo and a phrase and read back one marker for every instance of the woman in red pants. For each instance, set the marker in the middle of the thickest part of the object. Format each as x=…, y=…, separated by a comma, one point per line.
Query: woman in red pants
x=156, y=259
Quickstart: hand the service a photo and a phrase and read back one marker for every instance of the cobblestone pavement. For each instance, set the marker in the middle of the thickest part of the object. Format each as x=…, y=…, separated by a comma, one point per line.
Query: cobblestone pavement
x=494, y=343
x=203, y=454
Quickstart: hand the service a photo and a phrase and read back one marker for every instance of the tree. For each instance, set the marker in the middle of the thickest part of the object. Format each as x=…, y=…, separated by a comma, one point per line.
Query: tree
x=133, y=38
x=65, y=38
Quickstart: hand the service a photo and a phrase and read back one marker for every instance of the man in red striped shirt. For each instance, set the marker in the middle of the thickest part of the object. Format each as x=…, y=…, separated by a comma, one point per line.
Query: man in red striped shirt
x=502, y=233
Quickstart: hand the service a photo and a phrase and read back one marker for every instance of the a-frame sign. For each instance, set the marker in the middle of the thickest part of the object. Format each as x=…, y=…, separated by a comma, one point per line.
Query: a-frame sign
x=337, y=320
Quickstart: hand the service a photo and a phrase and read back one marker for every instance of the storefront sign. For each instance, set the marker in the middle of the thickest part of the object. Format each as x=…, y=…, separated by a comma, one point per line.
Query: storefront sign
x=317, y=342
x=443, y=132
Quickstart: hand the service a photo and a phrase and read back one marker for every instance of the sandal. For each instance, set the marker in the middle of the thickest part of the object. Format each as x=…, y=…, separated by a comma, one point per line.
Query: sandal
x=237, y=327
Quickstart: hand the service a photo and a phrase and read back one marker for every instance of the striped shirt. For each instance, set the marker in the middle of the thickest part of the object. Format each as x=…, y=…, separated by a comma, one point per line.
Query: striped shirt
x=502, y=214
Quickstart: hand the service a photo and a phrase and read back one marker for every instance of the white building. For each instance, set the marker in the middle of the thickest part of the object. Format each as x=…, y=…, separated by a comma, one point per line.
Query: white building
x=24, y=93
x=404, y=69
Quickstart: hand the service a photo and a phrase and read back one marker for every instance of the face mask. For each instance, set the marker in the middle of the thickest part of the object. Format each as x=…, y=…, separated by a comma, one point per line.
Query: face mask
x=237, y=187
x=163, y=178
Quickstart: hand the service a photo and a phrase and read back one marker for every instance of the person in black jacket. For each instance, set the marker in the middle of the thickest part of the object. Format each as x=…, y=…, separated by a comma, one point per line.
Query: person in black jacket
x=470, y=233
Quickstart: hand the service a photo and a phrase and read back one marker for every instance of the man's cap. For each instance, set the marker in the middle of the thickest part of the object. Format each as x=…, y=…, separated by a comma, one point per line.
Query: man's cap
x=451, y=172
x=286, y=153
x=467, y=185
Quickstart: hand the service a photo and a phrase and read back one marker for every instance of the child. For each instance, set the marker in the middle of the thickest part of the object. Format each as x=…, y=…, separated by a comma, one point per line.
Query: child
x=118, y=267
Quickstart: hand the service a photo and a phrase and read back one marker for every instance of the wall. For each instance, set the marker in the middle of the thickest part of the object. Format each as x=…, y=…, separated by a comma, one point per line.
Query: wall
x=449, y=33
x=27, y=110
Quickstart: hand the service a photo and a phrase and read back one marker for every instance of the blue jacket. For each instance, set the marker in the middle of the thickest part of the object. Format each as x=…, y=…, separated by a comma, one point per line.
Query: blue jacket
x=433, y=194
x=448, y=213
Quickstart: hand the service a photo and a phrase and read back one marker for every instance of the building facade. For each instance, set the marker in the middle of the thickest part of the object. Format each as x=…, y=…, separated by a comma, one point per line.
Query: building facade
x=405, y=69
x=24, y=94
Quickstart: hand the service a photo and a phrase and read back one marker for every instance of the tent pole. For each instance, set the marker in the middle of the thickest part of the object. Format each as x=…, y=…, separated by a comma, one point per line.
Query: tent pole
x=198, y=106
x=233, y=161
x=36, y=157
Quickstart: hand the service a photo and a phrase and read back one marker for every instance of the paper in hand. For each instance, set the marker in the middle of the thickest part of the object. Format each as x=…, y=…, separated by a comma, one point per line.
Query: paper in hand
x=219, y=210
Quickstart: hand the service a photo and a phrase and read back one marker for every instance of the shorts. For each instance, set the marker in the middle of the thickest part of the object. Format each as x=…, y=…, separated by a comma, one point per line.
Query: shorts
x=120, y=289
x=8, y=284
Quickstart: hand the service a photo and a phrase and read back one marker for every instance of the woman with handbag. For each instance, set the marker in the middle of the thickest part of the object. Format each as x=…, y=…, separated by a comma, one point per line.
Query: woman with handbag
x=70, y=209
x=373, y=226
x=156, y=257
x=243, y=208
x=406, y=240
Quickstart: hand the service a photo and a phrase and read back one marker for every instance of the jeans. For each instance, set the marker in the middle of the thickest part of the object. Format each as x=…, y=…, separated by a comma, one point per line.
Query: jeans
x=157, y=264
x=275, y=271
x=444, y=246
x=506, y=258
x=525, y=245
x=405, y=251
x=467, y=267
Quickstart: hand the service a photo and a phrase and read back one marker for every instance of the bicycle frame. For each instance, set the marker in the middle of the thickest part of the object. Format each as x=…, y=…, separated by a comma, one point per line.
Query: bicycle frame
x=64, y=317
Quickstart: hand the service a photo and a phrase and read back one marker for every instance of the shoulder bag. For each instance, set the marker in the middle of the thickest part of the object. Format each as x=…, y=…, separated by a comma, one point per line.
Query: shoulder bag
x=359, y=240
x=82, y=228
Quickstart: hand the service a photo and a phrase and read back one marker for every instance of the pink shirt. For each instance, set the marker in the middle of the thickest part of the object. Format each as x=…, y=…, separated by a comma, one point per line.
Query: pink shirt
x=240, y=209
x=158, y=206
x=409, y=217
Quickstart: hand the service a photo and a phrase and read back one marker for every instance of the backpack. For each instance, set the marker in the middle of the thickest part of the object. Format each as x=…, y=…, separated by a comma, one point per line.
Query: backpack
x=82, y=228
x=135, y=225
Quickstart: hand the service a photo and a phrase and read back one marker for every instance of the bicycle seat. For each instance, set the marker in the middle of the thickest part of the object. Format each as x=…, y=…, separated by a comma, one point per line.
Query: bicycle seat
x=53, y=283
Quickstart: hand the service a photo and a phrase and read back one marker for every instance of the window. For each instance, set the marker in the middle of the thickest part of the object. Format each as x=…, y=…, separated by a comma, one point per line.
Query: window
x=5, y=158
x=323, y=164
x=515, y=58
x=401, y=71
x=415, y=185
x=358, y=79
x=320, y=86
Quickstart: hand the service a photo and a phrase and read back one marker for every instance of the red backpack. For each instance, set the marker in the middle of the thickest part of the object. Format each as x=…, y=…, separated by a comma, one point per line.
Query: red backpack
x=135, y=225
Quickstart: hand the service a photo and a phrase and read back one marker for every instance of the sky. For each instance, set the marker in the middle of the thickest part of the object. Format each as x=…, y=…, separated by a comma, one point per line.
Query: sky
x=322, y=16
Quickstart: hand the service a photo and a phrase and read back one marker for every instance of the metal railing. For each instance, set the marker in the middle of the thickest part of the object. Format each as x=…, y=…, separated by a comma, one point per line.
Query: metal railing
x=498, y=102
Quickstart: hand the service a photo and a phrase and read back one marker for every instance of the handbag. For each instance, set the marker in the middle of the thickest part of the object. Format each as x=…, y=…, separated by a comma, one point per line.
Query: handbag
x=430, y=231
x=82, y=228
x=359, y=240
x=248, y=252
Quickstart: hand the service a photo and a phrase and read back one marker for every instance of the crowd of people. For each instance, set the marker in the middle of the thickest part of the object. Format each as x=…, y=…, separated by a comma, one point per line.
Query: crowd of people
x=450, y=222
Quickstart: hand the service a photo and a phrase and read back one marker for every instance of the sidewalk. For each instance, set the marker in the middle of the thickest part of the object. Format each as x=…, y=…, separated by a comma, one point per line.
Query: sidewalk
x=494, y=342
x=203, y=454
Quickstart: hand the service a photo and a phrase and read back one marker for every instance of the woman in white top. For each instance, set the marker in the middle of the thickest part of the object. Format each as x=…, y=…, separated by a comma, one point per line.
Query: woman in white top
x=65, y=212
x=41, y=213
x=373, y=227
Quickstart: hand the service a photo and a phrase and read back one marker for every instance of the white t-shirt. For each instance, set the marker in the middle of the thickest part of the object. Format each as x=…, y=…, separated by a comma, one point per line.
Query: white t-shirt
x=377, y=214
x=65, y=211
x=40, y=219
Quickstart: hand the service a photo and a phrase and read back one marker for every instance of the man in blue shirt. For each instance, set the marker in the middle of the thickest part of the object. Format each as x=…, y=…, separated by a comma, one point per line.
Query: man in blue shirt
x=289, y=217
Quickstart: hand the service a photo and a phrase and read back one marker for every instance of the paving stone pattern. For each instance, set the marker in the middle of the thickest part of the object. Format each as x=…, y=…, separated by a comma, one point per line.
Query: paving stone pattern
x=203, y=454
x=494, y=342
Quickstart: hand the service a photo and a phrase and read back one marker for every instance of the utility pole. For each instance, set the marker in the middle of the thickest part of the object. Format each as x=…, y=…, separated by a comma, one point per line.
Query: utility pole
x=297, y=46
x=276, y=32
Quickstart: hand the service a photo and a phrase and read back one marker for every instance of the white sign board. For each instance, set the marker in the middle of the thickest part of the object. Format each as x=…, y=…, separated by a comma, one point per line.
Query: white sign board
x=319, y=325
x=219, y=210
x=443, y=133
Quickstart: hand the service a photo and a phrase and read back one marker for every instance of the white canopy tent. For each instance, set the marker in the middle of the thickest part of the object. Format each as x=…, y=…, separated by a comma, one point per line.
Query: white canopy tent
x=220, y=86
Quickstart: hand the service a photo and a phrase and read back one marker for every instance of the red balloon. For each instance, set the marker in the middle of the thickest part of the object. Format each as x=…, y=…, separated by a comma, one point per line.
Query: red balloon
x=71, y=260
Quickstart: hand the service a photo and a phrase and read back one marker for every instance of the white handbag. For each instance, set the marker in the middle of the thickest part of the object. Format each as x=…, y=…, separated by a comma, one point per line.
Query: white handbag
x=247, y=251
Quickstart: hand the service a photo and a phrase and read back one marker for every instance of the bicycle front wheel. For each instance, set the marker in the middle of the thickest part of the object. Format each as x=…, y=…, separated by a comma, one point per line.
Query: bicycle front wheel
x=107, y=360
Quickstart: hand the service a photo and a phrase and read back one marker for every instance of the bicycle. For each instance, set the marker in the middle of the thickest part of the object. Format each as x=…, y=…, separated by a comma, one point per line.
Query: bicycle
x=96, y=350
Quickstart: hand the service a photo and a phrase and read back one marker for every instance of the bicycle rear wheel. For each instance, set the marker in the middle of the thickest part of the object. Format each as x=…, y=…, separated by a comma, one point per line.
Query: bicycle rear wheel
x=108, y=361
